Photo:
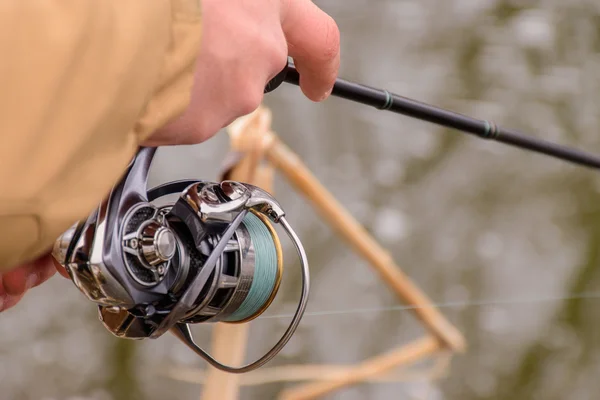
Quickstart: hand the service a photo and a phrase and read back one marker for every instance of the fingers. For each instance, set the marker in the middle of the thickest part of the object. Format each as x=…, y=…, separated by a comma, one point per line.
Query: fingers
x=7, y=301
x=314, y=43
x=243, y=47
x=27, y=276
x=14, y=284
x=47, y=271
x=17, y=281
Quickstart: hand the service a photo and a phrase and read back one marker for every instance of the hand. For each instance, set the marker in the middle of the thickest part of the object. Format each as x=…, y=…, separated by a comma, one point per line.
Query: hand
x=244, y=45
x=15, y=283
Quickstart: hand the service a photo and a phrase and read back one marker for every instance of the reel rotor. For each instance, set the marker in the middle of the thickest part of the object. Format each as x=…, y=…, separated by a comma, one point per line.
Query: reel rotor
x=213, y=255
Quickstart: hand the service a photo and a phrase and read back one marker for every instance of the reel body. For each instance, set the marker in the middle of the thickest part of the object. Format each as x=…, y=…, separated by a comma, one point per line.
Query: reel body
x=212, y=255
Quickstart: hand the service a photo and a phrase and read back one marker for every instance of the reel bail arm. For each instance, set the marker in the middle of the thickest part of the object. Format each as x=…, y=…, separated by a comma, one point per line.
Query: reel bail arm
x=183, y=333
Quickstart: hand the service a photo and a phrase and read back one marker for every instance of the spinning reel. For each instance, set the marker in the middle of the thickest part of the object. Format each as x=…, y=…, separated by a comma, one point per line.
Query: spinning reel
x=212, y=255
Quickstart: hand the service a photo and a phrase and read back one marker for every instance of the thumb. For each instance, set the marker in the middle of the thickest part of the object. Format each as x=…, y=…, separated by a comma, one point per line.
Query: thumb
x=314, y=43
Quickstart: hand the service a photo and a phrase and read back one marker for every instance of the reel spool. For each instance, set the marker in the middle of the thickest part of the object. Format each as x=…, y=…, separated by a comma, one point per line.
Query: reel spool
x=213, y=255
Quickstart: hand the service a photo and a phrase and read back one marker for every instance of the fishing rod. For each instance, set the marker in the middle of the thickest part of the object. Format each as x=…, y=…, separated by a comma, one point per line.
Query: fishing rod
x=384, y=100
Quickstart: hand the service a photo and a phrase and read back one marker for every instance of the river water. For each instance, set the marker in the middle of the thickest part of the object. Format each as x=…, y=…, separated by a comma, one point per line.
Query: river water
x=507, y=242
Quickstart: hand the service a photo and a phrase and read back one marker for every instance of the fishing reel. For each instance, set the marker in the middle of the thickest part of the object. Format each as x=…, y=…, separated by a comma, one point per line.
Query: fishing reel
x=212, y=255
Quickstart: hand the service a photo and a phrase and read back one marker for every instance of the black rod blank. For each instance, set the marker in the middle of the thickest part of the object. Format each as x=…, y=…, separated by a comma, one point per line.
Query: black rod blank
x=384, y=100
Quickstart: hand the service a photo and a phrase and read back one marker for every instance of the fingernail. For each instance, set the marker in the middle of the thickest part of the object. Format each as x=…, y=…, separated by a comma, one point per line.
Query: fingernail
x=31, y=281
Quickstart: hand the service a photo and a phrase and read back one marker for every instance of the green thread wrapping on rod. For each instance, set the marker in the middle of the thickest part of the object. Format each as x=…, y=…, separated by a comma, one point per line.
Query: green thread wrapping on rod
x=491, y=130
x=488, y=129
x=389, y=100
x=265, y=269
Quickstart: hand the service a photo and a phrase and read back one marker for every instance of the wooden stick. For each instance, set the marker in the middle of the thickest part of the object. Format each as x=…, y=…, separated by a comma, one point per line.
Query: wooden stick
x=229, y=341
x=407, y=354
x=342, y=221
x=229, y=347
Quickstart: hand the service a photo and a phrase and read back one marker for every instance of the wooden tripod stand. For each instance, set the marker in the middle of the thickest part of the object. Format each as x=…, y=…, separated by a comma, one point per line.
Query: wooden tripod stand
x=259, y=152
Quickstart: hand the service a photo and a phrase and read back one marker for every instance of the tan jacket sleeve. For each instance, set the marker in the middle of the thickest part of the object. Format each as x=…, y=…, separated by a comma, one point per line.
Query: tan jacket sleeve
x=82, y=82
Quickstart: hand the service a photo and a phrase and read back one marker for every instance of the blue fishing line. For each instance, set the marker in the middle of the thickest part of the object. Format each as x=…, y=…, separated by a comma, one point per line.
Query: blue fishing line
x=265, y=269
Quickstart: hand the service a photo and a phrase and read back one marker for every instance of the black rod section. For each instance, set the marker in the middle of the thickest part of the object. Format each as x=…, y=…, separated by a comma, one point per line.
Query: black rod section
x=384, y=100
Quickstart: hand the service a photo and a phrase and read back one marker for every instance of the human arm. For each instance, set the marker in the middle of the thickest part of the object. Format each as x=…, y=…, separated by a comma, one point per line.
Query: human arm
x=119, y=74
x=83, y=83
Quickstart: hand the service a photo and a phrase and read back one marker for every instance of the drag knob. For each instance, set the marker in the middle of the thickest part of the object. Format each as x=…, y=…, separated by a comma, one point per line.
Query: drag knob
x=158, y=243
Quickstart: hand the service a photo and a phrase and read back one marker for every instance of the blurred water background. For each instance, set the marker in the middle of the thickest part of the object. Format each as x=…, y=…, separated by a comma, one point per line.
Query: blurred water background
x=507, y=241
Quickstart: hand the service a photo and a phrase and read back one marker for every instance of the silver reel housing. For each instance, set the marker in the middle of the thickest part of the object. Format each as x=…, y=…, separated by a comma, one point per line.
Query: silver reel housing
x=155, y=269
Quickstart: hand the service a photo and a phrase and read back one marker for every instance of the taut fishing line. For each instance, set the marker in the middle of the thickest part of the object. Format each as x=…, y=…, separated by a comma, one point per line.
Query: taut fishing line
x=448, y=304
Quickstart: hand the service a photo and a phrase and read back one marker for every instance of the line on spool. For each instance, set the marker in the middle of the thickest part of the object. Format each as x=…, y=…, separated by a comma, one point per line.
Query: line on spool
x=268, y=268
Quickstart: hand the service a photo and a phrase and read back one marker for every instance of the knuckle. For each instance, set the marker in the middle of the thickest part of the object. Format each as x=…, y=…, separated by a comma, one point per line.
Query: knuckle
x=250, y=100
x=280, y=55
x=277, y=53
